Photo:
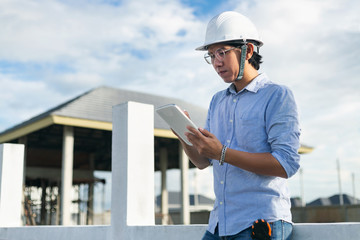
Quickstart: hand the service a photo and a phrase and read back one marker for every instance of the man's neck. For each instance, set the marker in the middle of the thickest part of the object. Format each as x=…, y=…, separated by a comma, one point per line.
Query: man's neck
x=246, y=79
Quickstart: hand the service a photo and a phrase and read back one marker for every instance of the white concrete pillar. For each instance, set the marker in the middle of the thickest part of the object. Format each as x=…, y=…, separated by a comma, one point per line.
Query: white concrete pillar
x=11, y=184
x=23, y=140
x=67, y=174
x=185, y=206
x=132, y=194
x=164, y=191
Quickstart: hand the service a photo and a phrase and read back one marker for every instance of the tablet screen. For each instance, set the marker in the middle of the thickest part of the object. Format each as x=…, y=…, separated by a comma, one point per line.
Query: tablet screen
x=176, y=119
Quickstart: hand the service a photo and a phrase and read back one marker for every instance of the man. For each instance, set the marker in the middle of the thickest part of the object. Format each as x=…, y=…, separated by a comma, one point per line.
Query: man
x=251, y=136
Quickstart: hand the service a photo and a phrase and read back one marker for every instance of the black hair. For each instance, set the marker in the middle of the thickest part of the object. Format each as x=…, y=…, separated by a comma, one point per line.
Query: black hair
x=255, y=59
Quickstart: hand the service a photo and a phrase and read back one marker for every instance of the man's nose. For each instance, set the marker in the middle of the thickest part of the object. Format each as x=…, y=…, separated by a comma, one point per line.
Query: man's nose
x=217, y=62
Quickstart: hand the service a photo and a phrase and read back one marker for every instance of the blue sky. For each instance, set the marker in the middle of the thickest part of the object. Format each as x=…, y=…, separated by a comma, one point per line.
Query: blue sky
x=52, y=51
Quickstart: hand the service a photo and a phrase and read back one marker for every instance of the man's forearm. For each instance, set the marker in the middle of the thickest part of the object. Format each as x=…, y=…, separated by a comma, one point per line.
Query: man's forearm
x=259, y=163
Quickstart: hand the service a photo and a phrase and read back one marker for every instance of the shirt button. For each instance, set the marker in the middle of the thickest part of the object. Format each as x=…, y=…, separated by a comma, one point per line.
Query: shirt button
x=231, y=120
x=222, y=182
x=234, y=100
x=228, y=141
x=221, y=203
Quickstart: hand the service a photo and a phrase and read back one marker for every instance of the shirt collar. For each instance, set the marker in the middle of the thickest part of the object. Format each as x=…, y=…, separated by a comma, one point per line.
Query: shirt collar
x=258, y=82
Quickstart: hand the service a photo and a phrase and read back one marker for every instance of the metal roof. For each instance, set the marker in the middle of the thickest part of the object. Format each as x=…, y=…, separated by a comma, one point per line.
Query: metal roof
x=93, y=109
x=96, y=105
x=334, y=200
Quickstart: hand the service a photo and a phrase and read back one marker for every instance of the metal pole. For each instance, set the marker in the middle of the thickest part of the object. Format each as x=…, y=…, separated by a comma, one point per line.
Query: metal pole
x=353, y=185
x=302, y=187
x=196, y=194
x=341, y=199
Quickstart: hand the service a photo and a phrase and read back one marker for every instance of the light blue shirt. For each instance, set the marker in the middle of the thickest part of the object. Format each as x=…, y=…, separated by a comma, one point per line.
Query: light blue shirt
x=260, y=118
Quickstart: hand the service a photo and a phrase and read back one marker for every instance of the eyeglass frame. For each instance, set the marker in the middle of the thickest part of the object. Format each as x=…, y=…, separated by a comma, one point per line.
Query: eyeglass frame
x=212, y=57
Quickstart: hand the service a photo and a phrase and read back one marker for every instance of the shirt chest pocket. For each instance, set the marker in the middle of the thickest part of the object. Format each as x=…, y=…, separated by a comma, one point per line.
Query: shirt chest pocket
x=251, y=133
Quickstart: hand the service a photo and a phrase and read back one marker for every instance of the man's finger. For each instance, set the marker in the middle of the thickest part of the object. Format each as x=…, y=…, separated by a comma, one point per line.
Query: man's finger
x=204, y=132
x=186, y=113
x=195, y=132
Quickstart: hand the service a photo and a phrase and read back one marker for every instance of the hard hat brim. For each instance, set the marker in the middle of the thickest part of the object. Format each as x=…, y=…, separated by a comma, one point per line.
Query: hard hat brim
x=206, y=45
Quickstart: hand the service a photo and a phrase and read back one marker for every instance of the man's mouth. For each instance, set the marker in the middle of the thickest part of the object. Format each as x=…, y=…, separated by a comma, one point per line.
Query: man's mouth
x=222, y=72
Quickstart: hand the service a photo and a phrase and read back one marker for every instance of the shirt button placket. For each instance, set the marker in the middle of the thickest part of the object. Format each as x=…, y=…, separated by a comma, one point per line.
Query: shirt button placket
x=221, y=206
x=231, y=126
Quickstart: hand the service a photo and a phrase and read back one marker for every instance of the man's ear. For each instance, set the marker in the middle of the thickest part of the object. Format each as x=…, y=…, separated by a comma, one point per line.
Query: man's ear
x=250, y=51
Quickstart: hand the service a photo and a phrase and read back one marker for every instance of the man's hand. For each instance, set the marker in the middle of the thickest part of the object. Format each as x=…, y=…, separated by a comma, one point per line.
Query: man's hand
x=205, y=142
x=199, y=160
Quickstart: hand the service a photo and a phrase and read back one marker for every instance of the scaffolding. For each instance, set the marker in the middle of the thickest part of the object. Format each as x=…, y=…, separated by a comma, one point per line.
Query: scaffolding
x=42, y=201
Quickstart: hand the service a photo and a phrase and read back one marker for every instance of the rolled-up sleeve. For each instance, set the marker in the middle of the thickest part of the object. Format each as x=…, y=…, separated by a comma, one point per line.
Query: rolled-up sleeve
x=283, y=129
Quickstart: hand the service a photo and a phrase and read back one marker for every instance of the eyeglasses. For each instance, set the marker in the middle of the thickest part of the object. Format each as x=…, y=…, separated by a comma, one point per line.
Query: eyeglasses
x=219, y=55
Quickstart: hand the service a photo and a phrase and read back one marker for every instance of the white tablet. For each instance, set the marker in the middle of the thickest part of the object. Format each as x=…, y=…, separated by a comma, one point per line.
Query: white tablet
x=176, y=119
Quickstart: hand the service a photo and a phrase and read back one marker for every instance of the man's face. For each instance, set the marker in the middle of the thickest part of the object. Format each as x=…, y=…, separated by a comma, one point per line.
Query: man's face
x=228, y=67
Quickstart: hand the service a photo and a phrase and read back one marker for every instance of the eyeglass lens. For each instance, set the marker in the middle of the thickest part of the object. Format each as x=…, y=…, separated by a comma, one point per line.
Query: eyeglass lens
x=219, y=55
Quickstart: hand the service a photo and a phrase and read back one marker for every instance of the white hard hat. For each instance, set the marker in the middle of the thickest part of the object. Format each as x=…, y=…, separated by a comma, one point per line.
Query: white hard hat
x=230, y=27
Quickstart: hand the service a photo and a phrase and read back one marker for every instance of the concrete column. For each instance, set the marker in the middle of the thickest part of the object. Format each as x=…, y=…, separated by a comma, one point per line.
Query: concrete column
x=67, y=174
x=164, y=191
x=132, y=194
x=23, y=140
x=44, y=184
x=90, y=204
x=11, y=184
x=58, y=206
x=185, y=206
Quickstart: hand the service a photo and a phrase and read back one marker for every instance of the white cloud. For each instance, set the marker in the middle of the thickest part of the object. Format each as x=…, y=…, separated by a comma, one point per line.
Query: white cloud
x=17, y=99
x=48, y=30
x=73, y=47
